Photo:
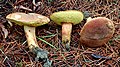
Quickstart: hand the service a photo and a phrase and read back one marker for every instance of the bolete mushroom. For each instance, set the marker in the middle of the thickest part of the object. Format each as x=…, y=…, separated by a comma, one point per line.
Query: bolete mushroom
x=67, y=19
x=30, y=21
x=97, y=31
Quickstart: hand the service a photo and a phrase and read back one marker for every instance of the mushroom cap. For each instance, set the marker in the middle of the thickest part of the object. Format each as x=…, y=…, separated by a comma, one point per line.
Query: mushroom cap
x=97, y=31
x=30, y=19
x=69, y=16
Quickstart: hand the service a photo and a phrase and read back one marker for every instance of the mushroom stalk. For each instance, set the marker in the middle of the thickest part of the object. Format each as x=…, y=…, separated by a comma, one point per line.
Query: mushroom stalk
x=66, y=34
x=31, y=37
x=32, y=43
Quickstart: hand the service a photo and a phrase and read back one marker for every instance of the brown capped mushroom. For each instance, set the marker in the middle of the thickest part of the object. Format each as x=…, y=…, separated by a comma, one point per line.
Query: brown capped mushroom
x=67, y=19
x=97, y=31
x=30, y=21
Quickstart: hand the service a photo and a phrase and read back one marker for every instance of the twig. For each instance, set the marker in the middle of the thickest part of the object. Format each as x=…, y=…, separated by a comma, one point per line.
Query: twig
x=22, y=7
x=6, y=58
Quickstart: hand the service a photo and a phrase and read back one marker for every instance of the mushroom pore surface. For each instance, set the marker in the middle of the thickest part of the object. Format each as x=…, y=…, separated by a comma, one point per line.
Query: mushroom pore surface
x=69, y=16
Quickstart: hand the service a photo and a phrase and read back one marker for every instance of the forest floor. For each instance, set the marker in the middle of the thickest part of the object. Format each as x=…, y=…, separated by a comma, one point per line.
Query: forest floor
x=14, y=51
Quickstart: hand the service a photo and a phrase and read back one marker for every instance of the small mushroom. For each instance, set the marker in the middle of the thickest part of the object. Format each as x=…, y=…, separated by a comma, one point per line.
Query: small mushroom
x=30, y=21
x=97, y=31
x=67, y=19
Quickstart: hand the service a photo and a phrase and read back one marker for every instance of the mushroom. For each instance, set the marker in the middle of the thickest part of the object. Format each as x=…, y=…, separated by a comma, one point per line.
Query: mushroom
x=30, y=21
x=67, y=19
x=97, y=31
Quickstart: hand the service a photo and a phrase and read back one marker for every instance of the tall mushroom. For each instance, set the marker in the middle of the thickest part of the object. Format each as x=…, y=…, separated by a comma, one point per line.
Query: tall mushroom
x=30, y=21
x=97, y=31
x=67, y=19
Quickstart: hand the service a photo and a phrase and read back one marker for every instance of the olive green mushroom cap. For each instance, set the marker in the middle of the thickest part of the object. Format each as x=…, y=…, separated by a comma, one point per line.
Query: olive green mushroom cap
x=69, y=16
x=30, y=19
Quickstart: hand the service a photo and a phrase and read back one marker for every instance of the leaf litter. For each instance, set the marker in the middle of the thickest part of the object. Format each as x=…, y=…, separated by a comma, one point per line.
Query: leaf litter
x=78, y=55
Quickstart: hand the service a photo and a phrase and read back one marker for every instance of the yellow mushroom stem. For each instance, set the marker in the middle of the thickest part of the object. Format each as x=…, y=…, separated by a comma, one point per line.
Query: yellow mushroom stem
x=66, y=34
x=31, y=37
